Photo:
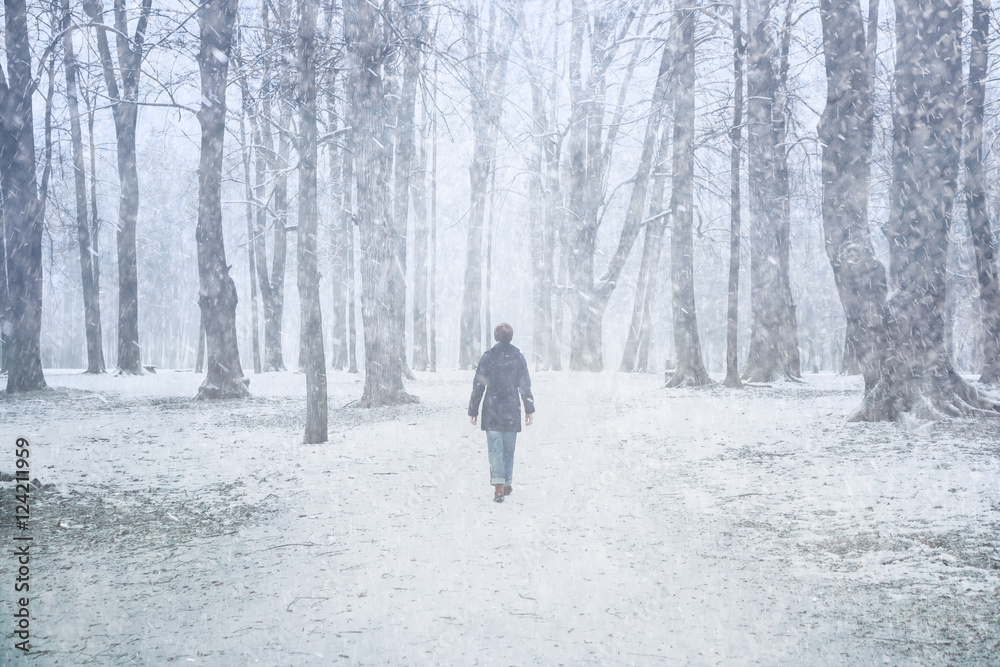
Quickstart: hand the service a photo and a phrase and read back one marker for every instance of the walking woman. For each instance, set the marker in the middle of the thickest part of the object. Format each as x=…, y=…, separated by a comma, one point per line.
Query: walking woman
x=502, y=375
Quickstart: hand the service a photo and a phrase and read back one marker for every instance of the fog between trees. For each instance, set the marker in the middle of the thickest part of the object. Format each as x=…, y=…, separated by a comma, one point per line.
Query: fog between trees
x=318, y=184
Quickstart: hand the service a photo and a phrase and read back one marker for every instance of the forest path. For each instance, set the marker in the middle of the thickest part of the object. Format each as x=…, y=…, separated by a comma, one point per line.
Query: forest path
x=647, y=527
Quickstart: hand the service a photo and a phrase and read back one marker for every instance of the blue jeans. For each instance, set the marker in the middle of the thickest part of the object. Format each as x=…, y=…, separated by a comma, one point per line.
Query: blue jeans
x=501, y=450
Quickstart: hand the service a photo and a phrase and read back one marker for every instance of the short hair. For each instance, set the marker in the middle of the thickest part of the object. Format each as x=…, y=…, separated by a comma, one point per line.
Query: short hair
x=504, y=333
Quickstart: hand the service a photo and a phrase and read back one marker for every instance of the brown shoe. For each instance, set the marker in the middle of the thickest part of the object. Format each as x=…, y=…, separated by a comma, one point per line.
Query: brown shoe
x=507, y=490
x=498, y=493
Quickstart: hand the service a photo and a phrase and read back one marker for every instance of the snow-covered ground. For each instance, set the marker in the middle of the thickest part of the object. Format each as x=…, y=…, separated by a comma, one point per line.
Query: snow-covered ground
x=647, y=526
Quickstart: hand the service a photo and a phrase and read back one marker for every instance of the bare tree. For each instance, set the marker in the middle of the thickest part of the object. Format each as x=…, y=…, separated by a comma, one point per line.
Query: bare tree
x=22, y=306
x=544, y=211
x=983, y=240
x=690, y=367
x=421, y=223
x=486, y=70
x=366, y=52
x=735, y=203
x=859, y=275
x=773, y=319
x=124, y=98
x=91, y=295
x=308, y=266
x=916, y=375
x=217, y=291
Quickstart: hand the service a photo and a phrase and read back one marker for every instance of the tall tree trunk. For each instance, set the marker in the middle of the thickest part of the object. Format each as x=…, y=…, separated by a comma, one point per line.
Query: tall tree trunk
x=307, y=261
x=251, y=264
x=217, y=291
x=788, y=334
x=421, y=233
x=22, y=319
x=591, y=143
x=486, y=67
x=859, y=275
x=338, y=155
x=91, y=296
x=272, y=287
x=350, y=281
x=538, y=224
x=768, y=359
x=124, y=106
x=735, y=203
x=690, y=367
x=917, y=376
x=432, y=279
x=366, y=112
x=95, y=219
x=975, y=193
x=414, y=31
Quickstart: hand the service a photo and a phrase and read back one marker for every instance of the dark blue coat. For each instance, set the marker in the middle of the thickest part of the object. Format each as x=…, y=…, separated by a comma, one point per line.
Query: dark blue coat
x=502, y=373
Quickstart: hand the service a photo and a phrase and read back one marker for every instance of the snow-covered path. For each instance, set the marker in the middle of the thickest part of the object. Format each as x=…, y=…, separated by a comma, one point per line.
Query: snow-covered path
x=647, y=527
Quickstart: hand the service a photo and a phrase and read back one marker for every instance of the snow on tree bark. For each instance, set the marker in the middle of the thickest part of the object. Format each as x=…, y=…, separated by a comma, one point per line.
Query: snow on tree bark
x=772, y=312
x=917, y=377
x=21, y=318
x=844, y=133
x=308, y=265
x=983, y=240
x=690, y=367
x=217, y=291
x=366, y=50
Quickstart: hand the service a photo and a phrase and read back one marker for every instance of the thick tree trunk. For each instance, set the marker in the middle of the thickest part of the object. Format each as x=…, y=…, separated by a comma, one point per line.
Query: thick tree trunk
x=975, y=193
x=199, y=357
x=690, y=367
x=22, y=319
x=91, y=296
x=217, y=291
x=859, y=275
x=768, y=357
x=917, y=377
x=735, y=204
x=307, y=261
x=366, y=104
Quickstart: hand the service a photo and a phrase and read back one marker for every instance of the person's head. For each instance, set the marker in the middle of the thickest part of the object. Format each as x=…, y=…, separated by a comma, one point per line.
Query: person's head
x=503, y=333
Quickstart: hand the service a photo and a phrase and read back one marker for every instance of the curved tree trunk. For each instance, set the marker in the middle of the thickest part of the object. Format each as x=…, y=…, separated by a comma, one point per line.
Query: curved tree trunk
x=217, y=291
x=843, y=130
